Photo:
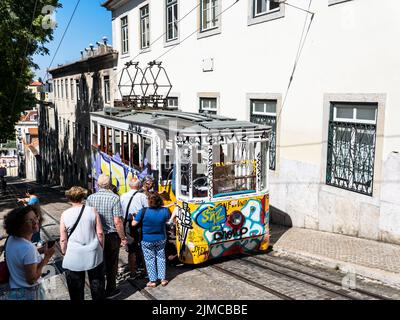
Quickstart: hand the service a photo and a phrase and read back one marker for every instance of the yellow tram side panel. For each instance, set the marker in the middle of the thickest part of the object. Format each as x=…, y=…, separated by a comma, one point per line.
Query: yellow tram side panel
x=204, y=232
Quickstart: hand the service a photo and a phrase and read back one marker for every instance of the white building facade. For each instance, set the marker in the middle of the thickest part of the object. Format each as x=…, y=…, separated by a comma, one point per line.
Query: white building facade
x=335, y=162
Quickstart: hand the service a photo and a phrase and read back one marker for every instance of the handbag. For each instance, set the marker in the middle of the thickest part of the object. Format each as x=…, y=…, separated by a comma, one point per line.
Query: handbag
x=127, y=226
x=4, y=272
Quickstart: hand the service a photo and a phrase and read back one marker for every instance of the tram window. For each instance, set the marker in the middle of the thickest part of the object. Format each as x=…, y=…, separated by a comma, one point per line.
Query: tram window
x=109, y=141
x=184, y=166
x=95, y=133
x=200, y=179
x=166, y=166
x=147, y=150
x=117, y=139
x=125, y=147
x=234, y=167
x=103, y=139
x=135, y=150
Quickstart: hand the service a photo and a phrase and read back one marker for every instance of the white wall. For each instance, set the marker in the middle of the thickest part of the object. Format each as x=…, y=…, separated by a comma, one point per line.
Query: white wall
x=351, y=48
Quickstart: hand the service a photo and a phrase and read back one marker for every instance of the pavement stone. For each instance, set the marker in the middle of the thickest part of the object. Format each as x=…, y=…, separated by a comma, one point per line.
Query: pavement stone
x=368, y=258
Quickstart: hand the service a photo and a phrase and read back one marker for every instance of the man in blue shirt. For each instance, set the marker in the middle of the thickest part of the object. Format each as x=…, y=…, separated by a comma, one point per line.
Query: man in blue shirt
x=33, y=200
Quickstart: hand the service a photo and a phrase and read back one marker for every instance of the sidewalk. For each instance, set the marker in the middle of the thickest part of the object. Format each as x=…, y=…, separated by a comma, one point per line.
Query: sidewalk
x=367, y=258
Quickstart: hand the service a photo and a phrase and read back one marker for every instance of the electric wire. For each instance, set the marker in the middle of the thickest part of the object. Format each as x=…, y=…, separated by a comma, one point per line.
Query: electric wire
x=62, y=39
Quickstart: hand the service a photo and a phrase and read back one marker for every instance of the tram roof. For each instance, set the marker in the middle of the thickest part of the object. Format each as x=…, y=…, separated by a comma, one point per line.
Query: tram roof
x=182, y=122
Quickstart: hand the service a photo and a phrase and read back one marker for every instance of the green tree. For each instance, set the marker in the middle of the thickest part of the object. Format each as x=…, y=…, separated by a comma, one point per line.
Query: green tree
x=22, y=35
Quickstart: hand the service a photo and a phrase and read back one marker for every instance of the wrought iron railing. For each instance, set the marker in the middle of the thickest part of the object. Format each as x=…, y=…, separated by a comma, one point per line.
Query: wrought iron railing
x=351, y=153
x=269, y=121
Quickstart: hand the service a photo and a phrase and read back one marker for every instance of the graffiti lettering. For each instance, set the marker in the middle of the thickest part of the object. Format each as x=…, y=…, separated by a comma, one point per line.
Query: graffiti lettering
x=211, y=218
x=200, y=250
x=227, y=235
x=183, y=227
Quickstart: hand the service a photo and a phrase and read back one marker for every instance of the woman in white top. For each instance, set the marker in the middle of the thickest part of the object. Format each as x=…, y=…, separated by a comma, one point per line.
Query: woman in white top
x=24, y=262
x=83, y=248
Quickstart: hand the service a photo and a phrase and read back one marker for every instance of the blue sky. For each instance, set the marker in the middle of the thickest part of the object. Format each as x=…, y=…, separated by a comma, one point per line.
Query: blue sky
x=90, y=23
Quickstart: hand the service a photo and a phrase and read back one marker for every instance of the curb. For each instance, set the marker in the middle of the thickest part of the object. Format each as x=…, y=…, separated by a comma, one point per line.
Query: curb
x=389, y=278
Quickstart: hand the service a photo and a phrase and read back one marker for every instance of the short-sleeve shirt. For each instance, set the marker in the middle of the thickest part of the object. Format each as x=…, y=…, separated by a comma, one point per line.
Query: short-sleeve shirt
x=33, y=200
x=19, y=253
x=108, y=206
x=139, y=201
x=154, y=228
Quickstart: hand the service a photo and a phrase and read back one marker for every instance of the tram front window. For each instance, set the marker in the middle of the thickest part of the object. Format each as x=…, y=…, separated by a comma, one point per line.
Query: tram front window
x=200, y=180
x=234, y=168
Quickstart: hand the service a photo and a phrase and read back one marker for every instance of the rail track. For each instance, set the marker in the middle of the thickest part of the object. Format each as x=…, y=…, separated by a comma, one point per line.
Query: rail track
x=308, y=274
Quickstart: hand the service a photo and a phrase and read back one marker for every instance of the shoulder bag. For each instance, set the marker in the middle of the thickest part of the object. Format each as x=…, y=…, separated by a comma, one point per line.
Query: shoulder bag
x=76, y=222
x=127, y=226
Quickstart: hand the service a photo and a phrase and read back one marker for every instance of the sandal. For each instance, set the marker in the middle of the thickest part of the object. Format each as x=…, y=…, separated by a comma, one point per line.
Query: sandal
x=151, y=284
x=164, y=282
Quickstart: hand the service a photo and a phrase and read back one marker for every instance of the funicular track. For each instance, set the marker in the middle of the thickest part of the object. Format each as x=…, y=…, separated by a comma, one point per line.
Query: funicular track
x=332, y=288
x=284, y=268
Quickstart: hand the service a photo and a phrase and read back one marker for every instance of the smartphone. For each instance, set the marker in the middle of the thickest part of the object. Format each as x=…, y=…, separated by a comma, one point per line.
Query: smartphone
x=51, y=243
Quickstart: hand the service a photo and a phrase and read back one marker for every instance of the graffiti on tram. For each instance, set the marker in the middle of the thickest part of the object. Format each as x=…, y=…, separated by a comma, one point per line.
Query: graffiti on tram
x=213, y=235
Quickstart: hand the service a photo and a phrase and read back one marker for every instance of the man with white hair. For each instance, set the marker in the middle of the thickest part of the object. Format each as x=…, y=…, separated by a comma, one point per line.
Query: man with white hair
x=108, y=206
x=131, y=202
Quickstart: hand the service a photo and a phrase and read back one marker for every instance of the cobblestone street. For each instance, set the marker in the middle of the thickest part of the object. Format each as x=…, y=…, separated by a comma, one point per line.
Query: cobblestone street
x=270, y=276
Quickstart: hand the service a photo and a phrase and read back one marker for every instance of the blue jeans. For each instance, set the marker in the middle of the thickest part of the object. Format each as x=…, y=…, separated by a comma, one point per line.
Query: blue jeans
x=154, y=257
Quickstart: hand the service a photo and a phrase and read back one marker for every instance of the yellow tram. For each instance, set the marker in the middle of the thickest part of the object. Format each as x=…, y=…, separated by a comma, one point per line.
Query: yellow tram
x=213, y=169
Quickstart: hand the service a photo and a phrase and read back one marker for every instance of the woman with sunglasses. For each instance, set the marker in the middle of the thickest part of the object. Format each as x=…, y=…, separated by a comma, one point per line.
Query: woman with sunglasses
x=24, y=262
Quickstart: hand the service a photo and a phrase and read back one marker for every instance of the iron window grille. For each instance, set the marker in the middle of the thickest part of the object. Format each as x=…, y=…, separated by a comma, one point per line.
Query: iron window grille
x=172, y=19
x=351, y=147
x=144, y=27
x=264, y=112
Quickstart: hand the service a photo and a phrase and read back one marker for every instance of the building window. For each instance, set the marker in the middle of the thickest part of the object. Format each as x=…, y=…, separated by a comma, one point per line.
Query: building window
x=351, y=146
x=62, y=89
x=107, y=89
x=264, y=112
x=209, y=14
x=208, y=105
x=144, y=27
x=172, y=19
x=265, y=10
x=72, y=88
x=78, y=92
x=124, y=35
x=264, y=7
x=172, y=102
x=66, y=88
